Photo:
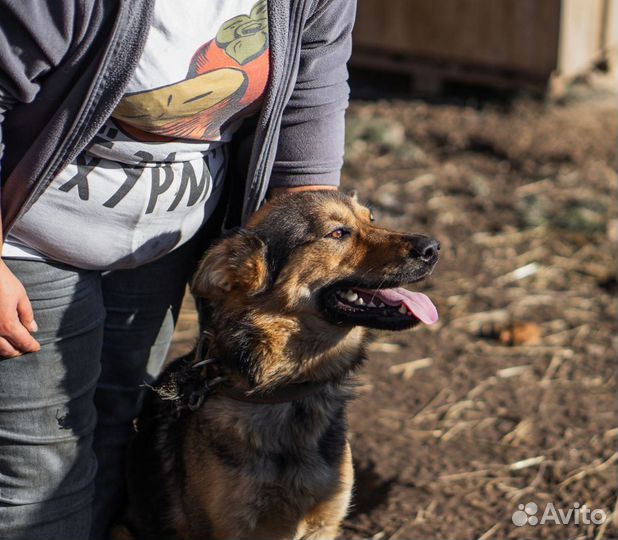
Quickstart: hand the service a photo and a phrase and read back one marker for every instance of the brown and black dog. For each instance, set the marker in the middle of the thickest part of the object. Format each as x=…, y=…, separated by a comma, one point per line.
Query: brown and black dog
x=246, y=438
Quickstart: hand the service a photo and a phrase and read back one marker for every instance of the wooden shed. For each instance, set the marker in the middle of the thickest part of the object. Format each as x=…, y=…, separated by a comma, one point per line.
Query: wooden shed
x=512, y=43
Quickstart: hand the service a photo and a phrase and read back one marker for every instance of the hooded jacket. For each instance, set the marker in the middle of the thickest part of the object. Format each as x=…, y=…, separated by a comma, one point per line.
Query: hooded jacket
x=64, y=66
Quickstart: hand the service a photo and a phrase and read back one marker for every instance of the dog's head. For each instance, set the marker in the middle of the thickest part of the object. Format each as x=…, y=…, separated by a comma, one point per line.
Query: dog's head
x=315, y=264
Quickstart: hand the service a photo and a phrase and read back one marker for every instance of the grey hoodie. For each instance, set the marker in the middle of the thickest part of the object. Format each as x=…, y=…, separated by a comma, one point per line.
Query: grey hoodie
x=64, y=65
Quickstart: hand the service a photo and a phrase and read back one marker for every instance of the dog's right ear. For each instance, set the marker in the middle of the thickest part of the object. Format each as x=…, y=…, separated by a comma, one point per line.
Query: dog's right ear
x=236, y=263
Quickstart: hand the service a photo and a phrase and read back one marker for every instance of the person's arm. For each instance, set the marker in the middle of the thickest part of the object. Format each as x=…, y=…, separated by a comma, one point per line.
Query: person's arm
x=16, y=316
x=311, y=140
x=33, y=39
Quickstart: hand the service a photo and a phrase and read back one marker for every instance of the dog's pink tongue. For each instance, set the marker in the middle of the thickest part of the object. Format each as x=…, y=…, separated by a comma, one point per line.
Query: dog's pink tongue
x=418, y=303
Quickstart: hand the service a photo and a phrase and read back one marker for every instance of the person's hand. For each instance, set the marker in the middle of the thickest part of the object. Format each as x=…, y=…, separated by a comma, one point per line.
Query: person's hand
x=16, y=317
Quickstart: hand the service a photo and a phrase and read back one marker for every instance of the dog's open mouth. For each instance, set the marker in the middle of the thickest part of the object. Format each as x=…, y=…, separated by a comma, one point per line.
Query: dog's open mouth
x=391, y=309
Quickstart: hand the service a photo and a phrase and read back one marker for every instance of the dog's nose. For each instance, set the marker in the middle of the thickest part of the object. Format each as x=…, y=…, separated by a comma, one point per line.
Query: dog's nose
x=425, y=248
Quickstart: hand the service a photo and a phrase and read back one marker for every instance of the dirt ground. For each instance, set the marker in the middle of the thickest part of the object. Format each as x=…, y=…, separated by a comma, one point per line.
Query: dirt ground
x=511, y=398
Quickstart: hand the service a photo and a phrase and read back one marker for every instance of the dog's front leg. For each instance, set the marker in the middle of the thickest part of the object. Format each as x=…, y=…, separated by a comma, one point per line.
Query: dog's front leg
x=323, y=522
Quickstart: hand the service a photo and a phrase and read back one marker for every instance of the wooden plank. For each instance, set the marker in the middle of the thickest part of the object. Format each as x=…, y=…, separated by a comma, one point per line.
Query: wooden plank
x=521, y=35
x=609, y=40
x=581, y=28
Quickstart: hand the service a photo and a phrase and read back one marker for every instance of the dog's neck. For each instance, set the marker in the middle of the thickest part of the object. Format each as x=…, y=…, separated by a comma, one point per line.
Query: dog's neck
x=271, y=430
x=266, y=356
x=264, y=353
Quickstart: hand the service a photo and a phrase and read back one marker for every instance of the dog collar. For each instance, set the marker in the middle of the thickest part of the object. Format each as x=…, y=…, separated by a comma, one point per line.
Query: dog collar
x=214, y=381
x=284, y=394
x=195, y=381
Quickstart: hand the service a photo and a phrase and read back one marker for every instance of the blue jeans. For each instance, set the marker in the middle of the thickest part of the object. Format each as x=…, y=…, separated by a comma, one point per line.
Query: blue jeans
x=66, y=412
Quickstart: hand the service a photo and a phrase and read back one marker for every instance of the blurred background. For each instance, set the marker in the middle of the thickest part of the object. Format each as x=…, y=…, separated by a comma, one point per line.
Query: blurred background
x=490, y=125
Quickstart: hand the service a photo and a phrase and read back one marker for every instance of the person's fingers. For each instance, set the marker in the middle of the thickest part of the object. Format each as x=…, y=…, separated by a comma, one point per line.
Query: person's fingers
x=17, y=335
x=26, y=315
x=7, y=350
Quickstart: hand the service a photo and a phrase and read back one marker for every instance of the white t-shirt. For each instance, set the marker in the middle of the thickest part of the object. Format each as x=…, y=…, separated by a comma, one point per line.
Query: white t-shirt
x=154, y=172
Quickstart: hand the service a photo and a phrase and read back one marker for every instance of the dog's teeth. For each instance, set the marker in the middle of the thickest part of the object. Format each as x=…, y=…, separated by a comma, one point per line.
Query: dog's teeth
x=381, y=304
x=359, y=301
x=371, y=304
x=402, y=309
x=351, y=296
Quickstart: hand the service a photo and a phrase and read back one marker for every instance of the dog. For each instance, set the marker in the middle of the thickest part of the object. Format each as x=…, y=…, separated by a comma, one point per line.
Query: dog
x=245, y=438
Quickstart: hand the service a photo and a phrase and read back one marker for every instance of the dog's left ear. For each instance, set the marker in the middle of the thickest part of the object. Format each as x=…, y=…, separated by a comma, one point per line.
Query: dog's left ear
x=236, y=263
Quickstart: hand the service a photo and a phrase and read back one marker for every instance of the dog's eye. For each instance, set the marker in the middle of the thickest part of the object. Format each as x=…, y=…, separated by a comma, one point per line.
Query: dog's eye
x=372, y=218
x=337, y=234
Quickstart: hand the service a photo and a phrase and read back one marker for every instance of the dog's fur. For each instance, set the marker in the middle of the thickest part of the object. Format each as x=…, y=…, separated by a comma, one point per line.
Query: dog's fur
x=237, y=469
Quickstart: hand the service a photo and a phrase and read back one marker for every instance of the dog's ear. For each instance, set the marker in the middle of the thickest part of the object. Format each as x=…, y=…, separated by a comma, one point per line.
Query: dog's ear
x=236, y=263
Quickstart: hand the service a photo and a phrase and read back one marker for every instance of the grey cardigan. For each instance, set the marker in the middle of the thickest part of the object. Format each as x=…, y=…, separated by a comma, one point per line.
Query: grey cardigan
x=64, y=65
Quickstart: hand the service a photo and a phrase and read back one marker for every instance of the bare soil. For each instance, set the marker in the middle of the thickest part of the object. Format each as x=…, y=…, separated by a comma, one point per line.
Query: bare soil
x=511, y=397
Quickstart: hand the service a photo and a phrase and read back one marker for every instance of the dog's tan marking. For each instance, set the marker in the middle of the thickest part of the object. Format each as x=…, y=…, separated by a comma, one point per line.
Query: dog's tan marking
x=324, y=520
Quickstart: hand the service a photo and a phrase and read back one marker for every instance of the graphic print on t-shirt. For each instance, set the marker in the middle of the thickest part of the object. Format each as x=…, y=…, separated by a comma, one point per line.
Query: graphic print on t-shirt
x=154, y=172
x=225, y=76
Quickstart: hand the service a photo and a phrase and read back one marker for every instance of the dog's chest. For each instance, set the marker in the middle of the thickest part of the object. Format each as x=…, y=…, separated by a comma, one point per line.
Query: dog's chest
x=288, y=452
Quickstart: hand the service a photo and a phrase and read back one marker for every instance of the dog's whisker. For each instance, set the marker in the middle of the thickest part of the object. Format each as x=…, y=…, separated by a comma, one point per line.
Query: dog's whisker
x=369, y=270
x=375, y=291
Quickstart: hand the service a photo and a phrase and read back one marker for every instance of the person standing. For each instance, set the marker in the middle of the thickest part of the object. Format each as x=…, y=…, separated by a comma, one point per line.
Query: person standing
x=132, y=133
